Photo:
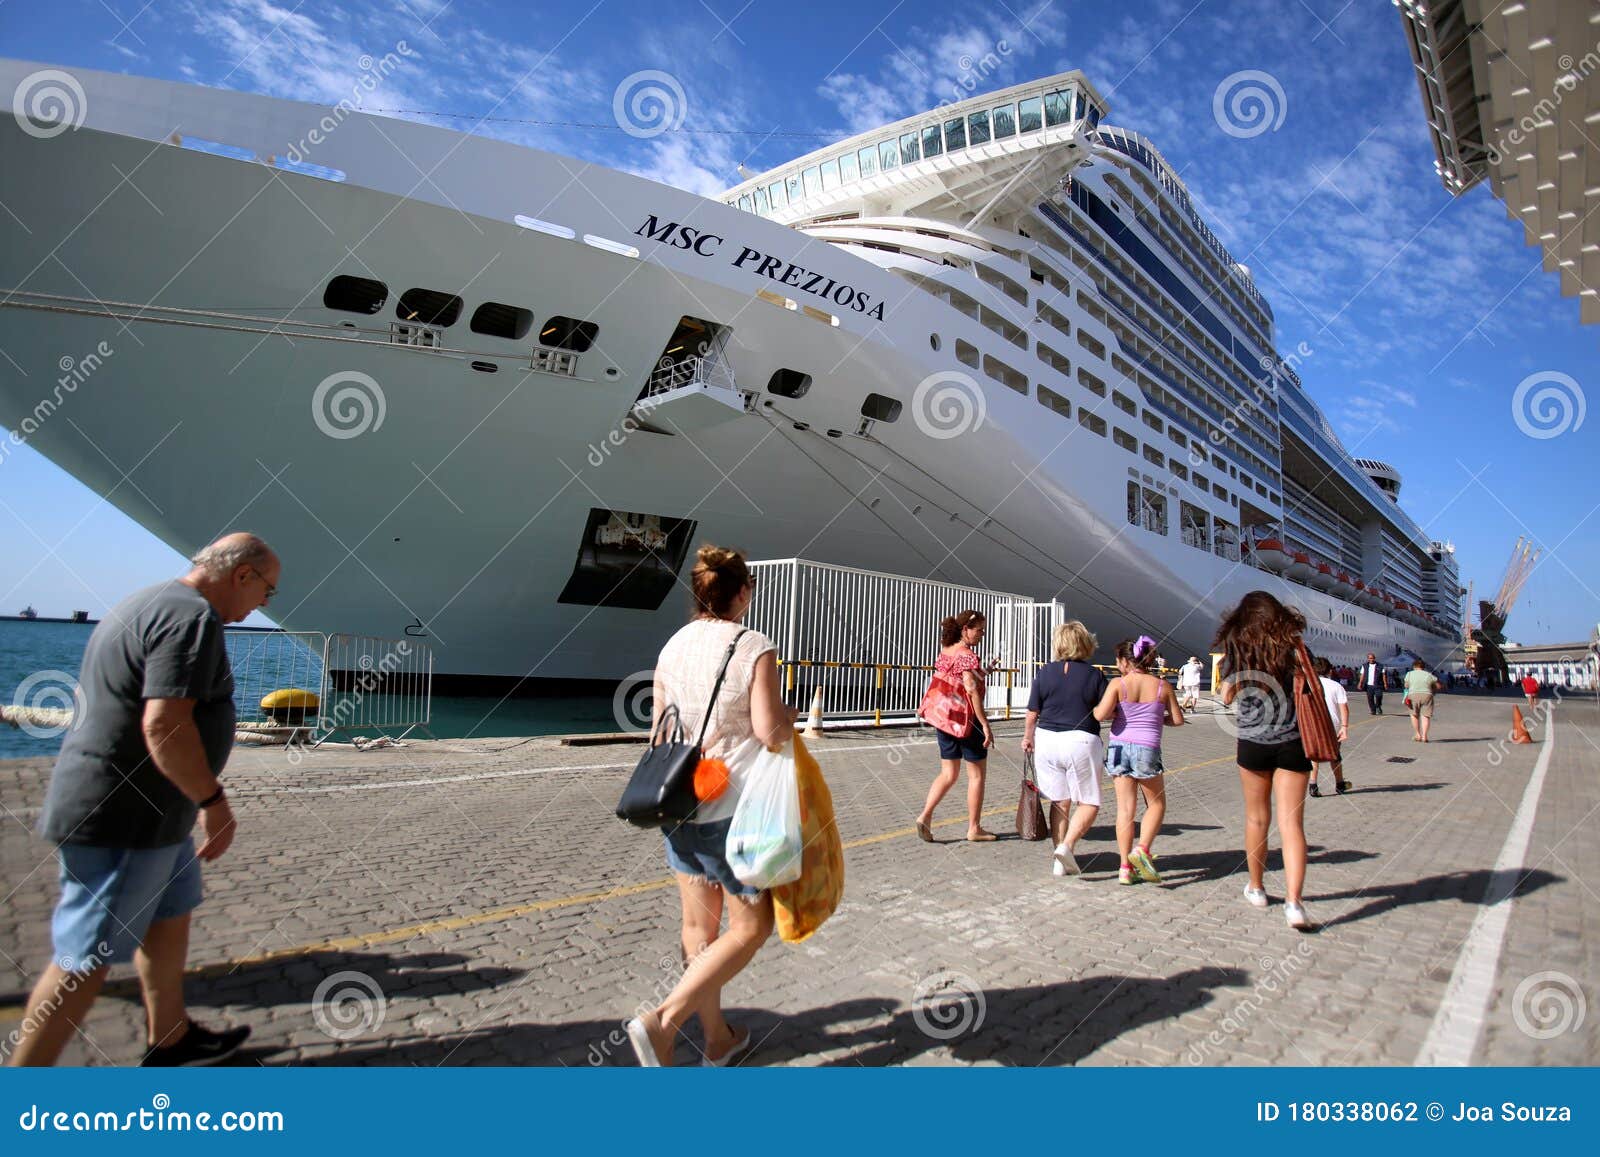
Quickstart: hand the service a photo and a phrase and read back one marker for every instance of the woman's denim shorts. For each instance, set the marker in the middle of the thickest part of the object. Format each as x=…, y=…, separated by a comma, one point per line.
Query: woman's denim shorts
x=1133, y=759
x=701, y=850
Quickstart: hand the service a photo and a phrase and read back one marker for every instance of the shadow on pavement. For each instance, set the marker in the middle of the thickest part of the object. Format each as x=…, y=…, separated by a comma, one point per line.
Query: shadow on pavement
x=1198, y=867
x=1056, y=1024
x=1469, y=887
x=1393, y=787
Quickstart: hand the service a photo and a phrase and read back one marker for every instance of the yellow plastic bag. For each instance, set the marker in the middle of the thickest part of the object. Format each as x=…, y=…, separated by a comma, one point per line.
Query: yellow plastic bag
x=803, y=906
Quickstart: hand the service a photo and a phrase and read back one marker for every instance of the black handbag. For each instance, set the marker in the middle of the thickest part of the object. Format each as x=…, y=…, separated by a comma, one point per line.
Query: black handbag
x=661, y=791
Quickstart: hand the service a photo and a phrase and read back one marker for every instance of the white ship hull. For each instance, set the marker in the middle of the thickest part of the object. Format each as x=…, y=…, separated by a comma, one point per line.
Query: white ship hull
x=462, y=513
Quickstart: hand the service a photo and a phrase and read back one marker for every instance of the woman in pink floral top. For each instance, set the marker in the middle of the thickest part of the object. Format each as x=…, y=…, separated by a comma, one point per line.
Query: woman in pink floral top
x=958, y=635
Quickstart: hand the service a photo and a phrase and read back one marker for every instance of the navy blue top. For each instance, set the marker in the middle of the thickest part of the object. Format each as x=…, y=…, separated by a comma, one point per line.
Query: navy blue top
x=1065, y=696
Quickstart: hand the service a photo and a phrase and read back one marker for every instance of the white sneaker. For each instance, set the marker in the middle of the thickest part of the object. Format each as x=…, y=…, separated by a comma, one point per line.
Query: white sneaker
x=1295, y=915
x=1257, y=897
x=1066, y=863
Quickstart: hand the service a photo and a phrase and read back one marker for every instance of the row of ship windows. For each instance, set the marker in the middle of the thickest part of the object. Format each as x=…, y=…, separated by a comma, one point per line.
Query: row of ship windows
x=1013, y=379
x=433, y=307
x=978, y=128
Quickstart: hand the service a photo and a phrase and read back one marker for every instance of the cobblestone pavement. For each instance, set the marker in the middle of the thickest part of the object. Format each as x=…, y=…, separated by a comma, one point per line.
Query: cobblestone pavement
x=475, y=902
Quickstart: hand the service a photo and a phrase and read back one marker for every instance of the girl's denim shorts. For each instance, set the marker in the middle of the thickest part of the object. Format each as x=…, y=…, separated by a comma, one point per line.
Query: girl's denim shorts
x=702, y=850
x=1133, y=759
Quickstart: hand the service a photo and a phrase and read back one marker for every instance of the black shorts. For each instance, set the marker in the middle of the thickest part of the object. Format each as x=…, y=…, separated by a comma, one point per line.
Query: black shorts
x=1289, y=755
x=968, y=747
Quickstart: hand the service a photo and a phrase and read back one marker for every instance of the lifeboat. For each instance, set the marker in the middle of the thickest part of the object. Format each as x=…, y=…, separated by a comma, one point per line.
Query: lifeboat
x=1270, y=554
x=1300, y=567
x=1343, y=586
x=1322, y=577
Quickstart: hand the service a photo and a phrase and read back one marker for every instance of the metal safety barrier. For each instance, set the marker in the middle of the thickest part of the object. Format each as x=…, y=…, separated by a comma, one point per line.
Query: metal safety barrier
x=362, y=683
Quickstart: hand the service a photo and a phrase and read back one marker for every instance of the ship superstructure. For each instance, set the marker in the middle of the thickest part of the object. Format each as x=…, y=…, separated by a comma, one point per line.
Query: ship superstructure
x=495, y=396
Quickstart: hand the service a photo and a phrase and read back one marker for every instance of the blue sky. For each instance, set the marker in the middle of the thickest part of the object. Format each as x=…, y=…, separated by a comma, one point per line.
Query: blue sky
x=1422, y=313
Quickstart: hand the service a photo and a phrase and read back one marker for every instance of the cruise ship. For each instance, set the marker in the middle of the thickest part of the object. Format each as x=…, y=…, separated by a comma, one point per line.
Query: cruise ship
x=496, y=396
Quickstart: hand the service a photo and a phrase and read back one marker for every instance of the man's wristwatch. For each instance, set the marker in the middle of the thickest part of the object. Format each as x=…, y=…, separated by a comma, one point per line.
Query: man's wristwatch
x=215, y=797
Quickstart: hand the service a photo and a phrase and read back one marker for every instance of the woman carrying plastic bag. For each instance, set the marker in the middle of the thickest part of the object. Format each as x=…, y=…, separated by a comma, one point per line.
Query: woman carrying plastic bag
x=801, y=907
x=764, y=848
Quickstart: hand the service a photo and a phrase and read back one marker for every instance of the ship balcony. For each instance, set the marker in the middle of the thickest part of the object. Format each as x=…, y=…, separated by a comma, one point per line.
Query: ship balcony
x=690, y=393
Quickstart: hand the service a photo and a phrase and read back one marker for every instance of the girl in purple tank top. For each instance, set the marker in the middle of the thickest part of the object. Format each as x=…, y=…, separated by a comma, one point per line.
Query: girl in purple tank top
x=1138, y=705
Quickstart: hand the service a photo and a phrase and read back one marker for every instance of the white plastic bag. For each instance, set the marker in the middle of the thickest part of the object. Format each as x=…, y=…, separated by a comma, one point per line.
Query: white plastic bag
x=764, y=848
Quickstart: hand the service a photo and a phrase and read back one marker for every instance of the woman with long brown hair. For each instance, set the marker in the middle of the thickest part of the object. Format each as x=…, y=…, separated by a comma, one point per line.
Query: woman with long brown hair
x=747, y=714
x=1259, y=641
x=958, y=636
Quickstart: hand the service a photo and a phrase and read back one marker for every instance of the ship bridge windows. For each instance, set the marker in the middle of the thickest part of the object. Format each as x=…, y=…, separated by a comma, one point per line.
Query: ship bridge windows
x=931, y=144
x=1030, y=114
x=889, y=154
x=496, y=320
x=429, y=307
x=355, y=294
x=568, y=333
x=880, y=408
x=811, y=178
x=955, y=135
x=828, y=171
x=1003, y=121
x=867, y=158
x=1057, y=107
x=978, y=128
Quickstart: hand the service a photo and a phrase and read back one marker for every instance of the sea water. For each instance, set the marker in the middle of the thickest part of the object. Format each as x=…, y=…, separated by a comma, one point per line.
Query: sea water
x=53, y=652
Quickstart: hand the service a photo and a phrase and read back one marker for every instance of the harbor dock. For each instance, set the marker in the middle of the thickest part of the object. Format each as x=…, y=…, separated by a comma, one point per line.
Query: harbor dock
x=459, y=902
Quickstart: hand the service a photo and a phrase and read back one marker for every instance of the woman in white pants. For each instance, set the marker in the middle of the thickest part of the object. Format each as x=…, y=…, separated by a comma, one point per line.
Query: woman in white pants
x=1064, y=737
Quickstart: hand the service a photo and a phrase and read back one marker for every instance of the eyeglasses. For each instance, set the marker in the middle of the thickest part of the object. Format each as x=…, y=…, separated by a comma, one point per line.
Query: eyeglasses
x=271, y=590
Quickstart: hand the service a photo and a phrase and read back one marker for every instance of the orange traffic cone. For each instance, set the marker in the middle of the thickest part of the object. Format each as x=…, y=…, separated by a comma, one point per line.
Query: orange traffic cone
x=1519, y=730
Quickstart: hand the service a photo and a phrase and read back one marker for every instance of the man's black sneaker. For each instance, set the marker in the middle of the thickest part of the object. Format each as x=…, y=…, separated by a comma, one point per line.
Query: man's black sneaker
x=198, y=1046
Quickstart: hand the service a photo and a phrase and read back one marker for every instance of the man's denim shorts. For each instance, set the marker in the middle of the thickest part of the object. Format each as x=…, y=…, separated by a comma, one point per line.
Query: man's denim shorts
x=111, y=896
x=1133, y=759
x=702, y=850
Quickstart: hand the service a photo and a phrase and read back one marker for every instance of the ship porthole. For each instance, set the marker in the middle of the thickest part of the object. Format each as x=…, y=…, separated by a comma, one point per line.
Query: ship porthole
x=933, y=340
x=612, y=371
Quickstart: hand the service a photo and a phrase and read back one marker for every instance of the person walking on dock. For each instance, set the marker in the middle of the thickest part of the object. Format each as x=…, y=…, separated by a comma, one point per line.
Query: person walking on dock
x=1421, y=684
x=1373, y=680
x=1138, y=704
x=958, y=660
x=134, y=773
x=1259, y=641
x=1338, y=701
x=1062, y=733
x=747, y=714
x=1189, y=684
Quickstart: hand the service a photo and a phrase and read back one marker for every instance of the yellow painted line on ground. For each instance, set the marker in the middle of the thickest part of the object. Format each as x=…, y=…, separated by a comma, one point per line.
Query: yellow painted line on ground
x=13, y=1011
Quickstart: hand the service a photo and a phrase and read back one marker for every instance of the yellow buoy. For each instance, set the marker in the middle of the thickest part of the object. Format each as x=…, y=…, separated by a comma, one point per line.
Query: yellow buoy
x=291, y=705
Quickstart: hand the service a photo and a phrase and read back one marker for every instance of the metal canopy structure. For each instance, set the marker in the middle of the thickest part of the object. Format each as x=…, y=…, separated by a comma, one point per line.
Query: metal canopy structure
x=1511, y=91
